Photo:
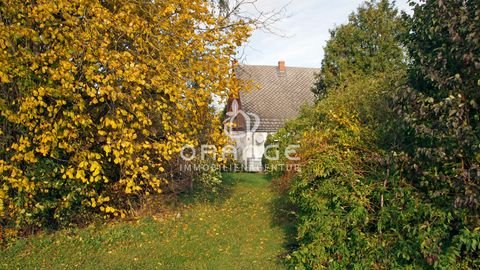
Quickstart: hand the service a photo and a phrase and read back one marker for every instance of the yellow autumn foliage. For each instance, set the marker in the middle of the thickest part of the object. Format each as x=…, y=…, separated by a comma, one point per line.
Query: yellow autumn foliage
x=97, y=97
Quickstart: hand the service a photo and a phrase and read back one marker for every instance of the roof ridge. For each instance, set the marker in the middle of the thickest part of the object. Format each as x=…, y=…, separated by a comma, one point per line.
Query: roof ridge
x=245, y=65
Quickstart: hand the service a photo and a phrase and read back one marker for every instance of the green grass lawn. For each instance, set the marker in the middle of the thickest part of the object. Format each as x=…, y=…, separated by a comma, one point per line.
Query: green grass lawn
x=236, y=230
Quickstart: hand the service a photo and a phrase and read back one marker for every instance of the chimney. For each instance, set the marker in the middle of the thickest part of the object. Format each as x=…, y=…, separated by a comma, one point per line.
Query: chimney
x=282, y=70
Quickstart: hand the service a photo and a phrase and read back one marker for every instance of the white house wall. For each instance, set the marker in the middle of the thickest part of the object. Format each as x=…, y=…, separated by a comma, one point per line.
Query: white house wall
x=250, y=149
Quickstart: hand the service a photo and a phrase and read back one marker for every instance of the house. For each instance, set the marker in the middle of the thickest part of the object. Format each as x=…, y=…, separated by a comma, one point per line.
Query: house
x=278, y=94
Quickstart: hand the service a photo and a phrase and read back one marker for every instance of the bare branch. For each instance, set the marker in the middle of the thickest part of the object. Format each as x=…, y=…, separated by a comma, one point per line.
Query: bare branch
x=233, y=11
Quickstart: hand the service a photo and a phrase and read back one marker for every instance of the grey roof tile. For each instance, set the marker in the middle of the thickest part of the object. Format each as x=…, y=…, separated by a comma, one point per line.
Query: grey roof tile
x=276, y=97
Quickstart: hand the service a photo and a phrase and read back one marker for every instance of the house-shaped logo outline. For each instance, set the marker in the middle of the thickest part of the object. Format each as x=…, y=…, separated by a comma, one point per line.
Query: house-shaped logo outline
x=233, y=114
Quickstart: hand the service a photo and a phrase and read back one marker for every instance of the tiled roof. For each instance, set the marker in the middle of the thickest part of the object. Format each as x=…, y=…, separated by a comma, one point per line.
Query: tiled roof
x=276, y=97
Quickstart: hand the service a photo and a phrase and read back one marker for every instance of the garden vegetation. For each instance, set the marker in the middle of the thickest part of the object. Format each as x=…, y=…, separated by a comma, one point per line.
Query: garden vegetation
x=390, y=152
x=97, y=98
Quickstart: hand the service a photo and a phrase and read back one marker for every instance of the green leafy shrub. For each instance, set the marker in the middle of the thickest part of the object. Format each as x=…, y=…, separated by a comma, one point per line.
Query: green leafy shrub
x=339, y=190
x=440, y=123
x=390, y=159
x=440, y=105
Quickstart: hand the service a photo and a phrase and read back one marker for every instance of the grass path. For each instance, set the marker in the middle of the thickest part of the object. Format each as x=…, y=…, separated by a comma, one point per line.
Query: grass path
x=236, y=230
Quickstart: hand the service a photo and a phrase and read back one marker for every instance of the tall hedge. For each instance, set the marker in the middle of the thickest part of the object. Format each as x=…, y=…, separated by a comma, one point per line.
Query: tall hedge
x=441, y=104
x=390, y=156
x=440, y=116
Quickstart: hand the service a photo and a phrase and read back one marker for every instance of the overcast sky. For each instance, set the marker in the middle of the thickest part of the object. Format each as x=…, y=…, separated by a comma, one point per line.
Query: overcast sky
x=306, y=30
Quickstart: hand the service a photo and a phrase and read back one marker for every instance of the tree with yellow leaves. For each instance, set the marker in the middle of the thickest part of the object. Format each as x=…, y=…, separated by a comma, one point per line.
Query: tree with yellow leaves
x=98, y=96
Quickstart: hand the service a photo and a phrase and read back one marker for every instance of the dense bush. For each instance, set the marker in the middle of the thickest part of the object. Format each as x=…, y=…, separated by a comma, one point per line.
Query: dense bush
x=441, y=117
x=390, y=159
x=340, y=190
x=440, y=107
x=98, y=97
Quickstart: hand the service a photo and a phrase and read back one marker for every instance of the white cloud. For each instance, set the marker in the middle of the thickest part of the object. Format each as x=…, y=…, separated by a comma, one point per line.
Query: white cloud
x=306, y=30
